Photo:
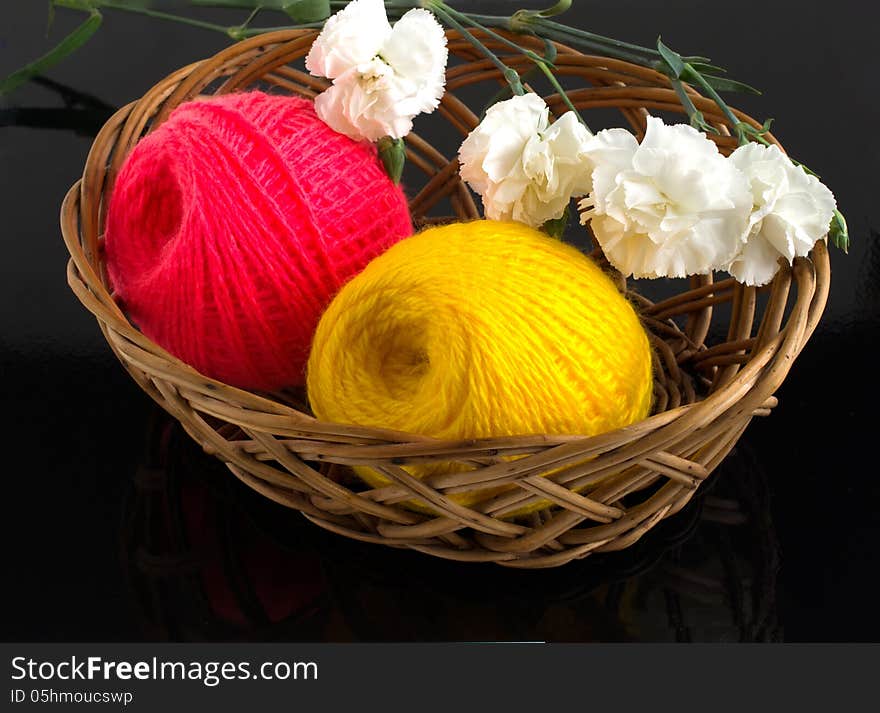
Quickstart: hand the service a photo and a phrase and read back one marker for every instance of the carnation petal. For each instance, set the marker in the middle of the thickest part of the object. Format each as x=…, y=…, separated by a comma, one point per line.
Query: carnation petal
x=757, y=264
x=416, y=49
x=522, y=166
x=352, y=36
x=352, y=107
x=630, y=252
x=671, y=206
x=791, y=212
x=681, y=140
x=329, y=108
x=612, y=149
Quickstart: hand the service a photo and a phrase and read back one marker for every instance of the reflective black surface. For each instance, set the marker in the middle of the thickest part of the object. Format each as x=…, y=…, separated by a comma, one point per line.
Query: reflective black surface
x=118, y=527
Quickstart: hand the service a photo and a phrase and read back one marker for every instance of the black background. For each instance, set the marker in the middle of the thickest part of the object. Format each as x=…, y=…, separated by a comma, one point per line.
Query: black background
x=117, y=528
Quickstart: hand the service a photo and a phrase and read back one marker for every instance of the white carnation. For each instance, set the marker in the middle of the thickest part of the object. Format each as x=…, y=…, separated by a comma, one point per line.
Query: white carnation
x=352, y=36
x=672, y=206
x=524, y=167
x=791, y=212
x=382, y=76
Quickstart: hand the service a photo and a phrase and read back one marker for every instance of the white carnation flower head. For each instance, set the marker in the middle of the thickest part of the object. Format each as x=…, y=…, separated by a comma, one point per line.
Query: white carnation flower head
x=525, y=168
x=672, y=206
x=383, y=76
x=791, y=212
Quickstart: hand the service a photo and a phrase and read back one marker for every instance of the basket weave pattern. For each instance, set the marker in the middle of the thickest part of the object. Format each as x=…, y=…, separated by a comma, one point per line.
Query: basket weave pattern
x=607, y=490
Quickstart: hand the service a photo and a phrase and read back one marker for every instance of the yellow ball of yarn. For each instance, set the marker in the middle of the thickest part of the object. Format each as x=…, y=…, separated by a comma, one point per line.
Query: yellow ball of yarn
x=475, y=330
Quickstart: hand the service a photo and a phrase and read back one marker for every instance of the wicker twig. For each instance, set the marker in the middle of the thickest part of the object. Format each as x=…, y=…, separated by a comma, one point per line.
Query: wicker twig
x=606, y=491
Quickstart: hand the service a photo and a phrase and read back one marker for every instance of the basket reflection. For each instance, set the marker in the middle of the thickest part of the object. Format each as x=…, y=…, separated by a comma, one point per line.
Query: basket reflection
x=208, y=559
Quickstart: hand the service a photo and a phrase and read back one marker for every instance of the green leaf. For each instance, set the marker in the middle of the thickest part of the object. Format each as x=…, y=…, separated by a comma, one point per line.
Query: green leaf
x=556, y=228
x=838, y=232
x=67, y=46
x=241, y=4
x=393, y=155
x=137, y=4
x=750, y=131
x=698, y=121
x=84, y=5
x=672, y=59
x=723, y=84
x=279, y=5
x=300, y=11
x=307, y=10
x=549, y=51
x=706, y=69
x=50, y=20
x=559, y=8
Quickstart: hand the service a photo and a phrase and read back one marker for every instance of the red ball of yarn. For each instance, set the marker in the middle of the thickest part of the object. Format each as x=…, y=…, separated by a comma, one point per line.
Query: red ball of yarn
x=234, y=223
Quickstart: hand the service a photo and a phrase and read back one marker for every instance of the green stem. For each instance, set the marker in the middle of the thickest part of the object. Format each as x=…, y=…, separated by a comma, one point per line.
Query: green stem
x=510, y=75
x=695, y=115
x=591, y=45
x=534, y=23
x=585, y=36
x=683, y=97
x=254, y=31
x=237, y=33
x=542, y=63
x=469, y=20
x=157, y=14
x=562, y=93
x=692, y=74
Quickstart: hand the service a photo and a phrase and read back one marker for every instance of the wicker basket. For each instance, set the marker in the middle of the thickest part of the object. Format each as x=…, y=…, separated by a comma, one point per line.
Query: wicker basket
x=607, y=490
